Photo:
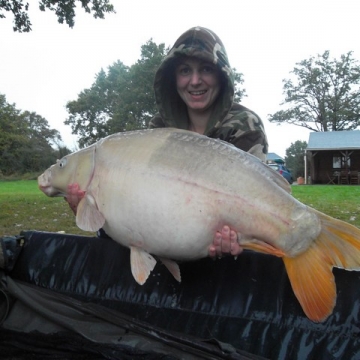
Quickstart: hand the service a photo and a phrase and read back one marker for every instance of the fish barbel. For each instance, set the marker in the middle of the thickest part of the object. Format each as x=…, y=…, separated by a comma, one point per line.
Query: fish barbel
x=165, y=192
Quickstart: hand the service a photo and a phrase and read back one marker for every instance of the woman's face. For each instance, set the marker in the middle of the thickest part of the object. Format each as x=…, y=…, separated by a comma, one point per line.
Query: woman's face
x=198, y=83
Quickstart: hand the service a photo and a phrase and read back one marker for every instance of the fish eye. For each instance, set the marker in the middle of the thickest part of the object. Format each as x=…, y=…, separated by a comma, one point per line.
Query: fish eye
x=62, y=162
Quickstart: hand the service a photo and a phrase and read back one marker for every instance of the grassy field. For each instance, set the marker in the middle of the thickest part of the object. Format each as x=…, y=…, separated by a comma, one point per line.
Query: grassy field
x=24, y=207
x=339, y=201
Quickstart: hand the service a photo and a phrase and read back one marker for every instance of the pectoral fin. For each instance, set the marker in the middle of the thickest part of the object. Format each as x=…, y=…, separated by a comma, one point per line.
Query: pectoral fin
x=88, y=216
x=142, y=263
x=173, y=267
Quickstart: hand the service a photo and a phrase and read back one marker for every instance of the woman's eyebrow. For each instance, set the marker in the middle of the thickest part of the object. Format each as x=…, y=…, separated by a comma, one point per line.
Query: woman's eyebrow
x=207, y=63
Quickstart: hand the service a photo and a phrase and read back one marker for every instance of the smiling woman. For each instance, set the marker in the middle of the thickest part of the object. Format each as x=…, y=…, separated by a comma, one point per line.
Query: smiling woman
x=194, y=90
x=198, y=84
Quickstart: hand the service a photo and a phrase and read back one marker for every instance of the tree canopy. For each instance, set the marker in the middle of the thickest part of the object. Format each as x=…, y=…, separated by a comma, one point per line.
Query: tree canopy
x=64, y=10
x=294, y=158
x=26, y=141
x=325, y=95
x=121, y=98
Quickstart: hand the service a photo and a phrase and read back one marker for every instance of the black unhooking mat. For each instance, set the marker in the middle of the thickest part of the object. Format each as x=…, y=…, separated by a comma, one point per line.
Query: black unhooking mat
x=73, y=297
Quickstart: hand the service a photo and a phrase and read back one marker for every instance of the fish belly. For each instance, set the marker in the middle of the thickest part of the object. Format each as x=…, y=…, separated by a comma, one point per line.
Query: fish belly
x=167, y=217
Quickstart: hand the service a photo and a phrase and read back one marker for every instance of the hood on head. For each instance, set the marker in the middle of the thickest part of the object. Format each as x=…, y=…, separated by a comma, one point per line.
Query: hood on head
x=204, y=44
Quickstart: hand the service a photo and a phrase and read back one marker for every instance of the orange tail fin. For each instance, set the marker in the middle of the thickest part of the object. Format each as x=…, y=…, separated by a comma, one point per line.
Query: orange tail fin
x=310, y=273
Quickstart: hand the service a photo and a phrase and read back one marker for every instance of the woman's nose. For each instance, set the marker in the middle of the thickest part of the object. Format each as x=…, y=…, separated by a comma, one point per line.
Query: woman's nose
x=195, y=78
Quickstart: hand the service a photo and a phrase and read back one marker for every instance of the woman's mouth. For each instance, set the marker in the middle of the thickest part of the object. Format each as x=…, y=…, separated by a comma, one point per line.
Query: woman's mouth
x=197, y=93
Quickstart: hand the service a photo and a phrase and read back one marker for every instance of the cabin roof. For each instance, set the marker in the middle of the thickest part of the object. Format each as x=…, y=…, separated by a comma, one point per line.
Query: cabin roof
x=334, y=140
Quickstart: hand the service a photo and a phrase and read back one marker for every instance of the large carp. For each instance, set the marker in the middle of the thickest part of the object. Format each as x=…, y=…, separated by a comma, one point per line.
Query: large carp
x=166, y=192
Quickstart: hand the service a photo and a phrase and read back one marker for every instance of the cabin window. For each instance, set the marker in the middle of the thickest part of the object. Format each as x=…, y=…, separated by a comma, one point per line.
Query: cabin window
x=339, y=162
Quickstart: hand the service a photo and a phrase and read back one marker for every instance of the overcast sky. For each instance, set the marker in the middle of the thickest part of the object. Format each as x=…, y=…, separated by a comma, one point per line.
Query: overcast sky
x=42, y=70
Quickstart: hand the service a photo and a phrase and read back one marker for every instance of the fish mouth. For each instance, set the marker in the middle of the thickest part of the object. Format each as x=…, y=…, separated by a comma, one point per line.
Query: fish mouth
x=45, y=186
x=49, y=190
x=43, y=181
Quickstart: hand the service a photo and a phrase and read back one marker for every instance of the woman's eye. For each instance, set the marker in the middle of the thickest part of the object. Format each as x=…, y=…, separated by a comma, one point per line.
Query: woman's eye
x=208, y=69
x=184, y=71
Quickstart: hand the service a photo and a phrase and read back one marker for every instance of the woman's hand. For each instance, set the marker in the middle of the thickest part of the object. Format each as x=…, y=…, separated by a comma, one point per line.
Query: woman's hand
x=225, y=243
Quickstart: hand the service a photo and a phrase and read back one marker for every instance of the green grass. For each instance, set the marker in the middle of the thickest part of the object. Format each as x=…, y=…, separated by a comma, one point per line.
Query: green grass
x=24, y=207
x=339, y=201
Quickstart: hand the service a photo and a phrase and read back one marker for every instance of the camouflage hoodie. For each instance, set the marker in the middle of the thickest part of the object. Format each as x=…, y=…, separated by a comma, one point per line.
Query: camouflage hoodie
x=229, y=121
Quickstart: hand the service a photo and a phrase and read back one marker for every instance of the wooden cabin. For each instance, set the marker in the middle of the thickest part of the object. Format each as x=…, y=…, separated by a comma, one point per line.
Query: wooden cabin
x=334, y=157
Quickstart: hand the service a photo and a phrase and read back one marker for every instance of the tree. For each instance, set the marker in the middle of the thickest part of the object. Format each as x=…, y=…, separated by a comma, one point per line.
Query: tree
x=11, y=136
x=294, y=158
x=326, y=95
x=39, y=152
x=239, y=91
x=25, y=140
x=121, y=98
x=64, y=10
